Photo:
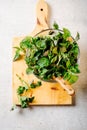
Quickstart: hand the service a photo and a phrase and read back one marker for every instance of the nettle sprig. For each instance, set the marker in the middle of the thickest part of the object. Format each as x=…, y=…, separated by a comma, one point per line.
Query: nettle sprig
x=21, y=90
x=53, y=55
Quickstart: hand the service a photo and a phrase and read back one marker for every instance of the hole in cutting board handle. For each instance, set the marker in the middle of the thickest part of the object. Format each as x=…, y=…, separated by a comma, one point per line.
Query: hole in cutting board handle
x=41, y=9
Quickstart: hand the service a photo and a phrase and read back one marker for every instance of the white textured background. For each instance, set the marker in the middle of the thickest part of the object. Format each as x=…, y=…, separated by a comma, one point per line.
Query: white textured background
x=17, y=18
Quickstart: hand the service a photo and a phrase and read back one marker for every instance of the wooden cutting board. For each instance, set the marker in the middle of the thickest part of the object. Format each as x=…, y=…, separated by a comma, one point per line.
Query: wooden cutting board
x=48, y=93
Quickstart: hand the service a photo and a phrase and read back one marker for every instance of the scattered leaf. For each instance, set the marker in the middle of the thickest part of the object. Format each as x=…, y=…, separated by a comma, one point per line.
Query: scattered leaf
x=55, y=25
x=77, y=36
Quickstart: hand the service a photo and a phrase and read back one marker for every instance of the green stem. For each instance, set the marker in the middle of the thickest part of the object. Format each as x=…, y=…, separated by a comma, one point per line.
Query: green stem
x=22, y=81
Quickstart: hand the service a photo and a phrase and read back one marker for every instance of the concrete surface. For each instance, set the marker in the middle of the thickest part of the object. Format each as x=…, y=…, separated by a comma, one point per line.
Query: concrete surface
x=17, y=18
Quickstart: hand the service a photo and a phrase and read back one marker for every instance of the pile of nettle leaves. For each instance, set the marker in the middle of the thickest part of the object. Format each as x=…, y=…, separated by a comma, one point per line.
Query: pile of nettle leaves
x=54, y=55
x=51, y=55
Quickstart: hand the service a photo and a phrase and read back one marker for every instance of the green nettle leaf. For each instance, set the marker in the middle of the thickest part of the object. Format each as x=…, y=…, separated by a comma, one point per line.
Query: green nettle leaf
x=67, y=76
x=39, y=83
x=26, y=43
x=55, y=26
x=55, y=51
x=63, y=44
x=73, y=78
x=43, y=62
x=75, y=50
x=63, y=49
x=77, y=36
x=54, y=59
x=41, y=44
x=75, y=69
x=31, y=99
x=43, y=73
x=17, y=55
x=34, y=85
x=29, y=70
x=68, y=64
x=17, y=48
x=21, y=89
x=66, y=33
x=25, y=101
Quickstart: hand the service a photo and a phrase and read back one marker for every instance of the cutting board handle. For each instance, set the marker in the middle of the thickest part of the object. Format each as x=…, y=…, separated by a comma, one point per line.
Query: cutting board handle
x=41, y=17
x=65, y=85
x=42, y=14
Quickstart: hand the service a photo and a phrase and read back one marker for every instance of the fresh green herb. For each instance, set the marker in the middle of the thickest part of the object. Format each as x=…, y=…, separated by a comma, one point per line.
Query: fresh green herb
x=29, y=70
x=71, y=77
x=43, y=62
x=54, y=55
x=77, y=36
x=66, y=33
x=17, y=54
x=25, y=43
x=55, y=25
x=21, y=89
x=25, y=101
x=34, y=85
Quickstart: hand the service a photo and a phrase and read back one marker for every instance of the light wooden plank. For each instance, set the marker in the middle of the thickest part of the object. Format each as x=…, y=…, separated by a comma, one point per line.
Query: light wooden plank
x=48, y=93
